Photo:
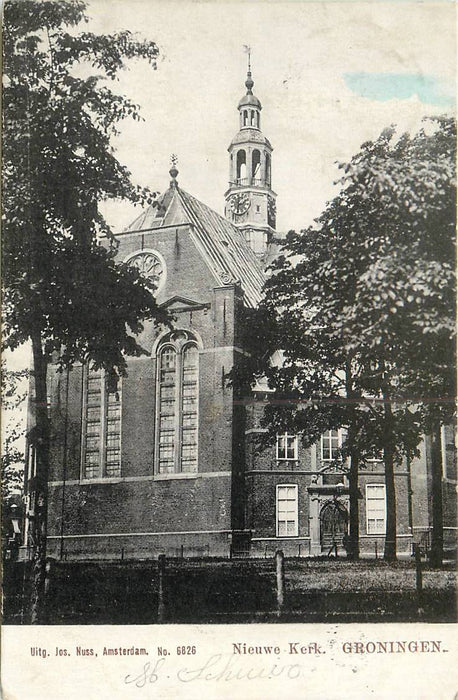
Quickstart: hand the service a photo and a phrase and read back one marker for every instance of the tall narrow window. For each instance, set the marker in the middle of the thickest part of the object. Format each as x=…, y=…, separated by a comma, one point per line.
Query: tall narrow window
x=101, y=428
x=287, y=518
x=189, y=409
x=92, y=461
x=178, y=399
x=167, y=410
x=375, y=509
x=113, y=434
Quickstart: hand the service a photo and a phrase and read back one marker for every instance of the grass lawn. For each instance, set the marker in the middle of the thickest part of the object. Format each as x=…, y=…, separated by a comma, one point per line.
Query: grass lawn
x=363, y=576
x=373, y=591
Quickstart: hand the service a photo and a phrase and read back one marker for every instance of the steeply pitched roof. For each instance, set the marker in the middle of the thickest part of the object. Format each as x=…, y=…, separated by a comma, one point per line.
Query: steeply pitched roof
x=220, y=243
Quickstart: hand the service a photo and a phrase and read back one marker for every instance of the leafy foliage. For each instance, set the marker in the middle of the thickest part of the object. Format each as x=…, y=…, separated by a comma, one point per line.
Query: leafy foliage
x=58, y=165
x=12, y=457
x=368, y=296
x=366, y=301
x=62, y=289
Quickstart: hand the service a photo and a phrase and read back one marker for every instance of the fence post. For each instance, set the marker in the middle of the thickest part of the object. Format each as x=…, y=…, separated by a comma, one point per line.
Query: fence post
x=48, y=573
x=418, y=577
x=280, y=569
x=160, y=603
x=48, y=577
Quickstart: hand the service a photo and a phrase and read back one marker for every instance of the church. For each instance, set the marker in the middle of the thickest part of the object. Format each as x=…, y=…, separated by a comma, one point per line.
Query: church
x=169, y=462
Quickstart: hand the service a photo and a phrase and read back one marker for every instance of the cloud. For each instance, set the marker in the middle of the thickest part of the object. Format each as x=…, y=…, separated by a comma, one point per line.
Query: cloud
x=400, y=86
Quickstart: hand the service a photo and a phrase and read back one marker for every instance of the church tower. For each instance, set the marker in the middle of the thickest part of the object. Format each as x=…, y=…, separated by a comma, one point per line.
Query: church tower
x=250, y=200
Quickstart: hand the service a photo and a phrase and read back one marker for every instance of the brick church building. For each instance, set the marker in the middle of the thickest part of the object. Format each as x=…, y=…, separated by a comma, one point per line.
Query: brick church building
x=168, y=463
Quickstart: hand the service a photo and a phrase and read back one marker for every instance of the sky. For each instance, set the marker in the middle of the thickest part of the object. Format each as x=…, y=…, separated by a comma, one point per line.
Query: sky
x=330, y=75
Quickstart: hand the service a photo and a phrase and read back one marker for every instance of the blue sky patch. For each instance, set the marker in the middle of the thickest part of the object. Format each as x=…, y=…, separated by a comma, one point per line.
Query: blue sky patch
x=400, y=86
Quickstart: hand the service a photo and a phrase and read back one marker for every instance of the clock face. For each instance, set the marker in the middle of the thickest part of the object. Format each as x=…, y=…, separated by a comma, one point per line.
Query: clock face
x=149, y=265
x=240, y=203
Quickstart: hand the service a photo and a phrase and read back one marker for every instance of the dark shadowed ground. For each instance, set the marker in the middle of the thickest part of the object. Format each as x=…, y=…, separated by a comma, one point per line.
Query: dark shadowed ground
x=226, y=591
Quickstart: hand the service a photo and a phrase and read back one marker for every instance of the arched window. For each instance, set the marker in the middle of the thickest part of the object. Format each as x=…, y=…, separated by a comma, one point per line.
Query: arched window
x=245, y=117
x=268, y=175
x=256, y=165
x=177, y=404
x=241, y=165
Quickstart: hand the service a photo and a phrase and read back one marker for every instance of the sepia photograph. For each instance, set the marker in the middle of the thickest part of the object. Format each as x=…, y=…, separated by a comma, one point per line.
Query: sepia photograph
x=229, y=332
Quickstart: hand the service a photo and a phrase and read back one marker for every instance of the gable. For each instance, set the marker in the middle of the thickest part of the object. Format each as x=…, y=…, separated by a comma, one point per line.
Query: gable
x=178, y=304
x=220, y=244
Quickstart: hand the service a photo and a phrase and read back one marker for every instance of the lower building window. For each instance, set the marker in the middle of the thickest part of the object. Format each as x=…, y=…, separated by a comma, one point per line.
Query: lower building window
x=101, y=449
x=286, y=446
x=331, y=444
x=375, y=509
x=287, y=517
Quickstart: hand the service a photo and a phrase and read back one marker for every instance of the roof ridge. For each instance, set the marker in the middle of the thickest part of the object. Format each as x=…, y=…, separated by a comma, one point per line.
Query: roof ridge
x=222, y=218
x=222, y=245
x=230, y=255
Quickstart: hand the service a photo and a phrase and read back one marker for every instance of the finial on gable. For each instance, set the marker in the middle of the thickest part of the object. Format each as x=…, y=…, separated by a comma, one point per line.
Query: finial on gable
x=173, y=172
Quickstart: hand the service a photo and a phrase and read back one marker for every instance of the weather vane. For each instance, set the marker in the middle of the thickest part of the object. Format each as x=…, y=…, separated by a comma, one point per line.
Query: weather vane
x=174, y=160
x=248, y=51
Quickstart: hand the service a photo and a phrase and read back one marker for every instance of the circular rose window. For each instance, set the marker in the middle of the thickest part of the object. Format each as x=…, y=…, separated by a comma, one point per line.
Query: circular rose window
x=150, y=264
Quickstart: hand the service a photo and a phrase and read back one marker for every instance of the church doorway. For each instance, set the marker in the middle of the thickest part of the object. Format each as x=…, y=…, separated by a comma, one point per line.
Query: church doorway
x=333, y=526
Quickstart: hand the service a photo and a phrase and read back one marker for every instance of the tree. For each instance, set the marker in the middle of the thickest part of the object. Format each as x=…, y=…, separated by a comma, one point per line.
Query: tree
x=63, y=292
x=318, y=383
x=406, y=297
x=12, y=453
x=366, y=301
x=12, y=457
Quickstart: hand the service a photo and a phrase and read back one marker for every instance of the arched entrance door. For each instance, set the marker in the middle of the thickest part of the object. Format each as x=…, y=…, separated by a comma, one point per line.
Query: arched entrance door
x=333, y=524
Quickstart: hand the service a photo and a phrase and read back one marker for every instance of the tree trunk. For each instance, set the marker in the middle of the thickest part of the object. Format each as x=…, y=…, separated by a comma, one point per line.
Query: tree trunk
x=390, y=535
x=40, y=482
x=390, y=492
x=353, y=550
x=437, y=538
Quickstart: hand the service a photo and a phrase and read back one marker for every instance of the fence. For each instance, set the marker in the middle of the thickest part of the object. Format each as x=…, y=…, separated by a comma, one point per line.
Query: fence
x=176, y=590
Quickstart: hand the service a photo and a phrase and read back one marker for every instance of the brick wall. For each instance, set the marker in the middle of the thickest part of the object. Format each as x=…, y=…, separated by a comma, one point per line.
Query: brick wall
x=140, y=501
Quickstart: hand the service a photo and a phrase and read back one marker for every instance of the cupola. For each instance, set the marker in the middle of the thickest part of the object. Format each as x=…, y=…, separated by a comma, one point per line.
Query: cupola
x=250, y=200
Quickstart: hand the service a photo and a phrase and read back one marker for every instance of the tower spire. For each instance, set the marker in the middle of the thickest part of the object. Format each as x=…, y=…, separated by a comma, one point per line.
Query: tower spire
x=250, y=200
x=249, y=83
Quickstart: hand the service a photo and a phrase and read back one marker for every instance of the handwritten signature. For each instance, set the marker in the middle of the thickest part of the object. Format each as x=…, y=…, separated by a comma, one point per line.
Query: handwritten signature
x=218, y=667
